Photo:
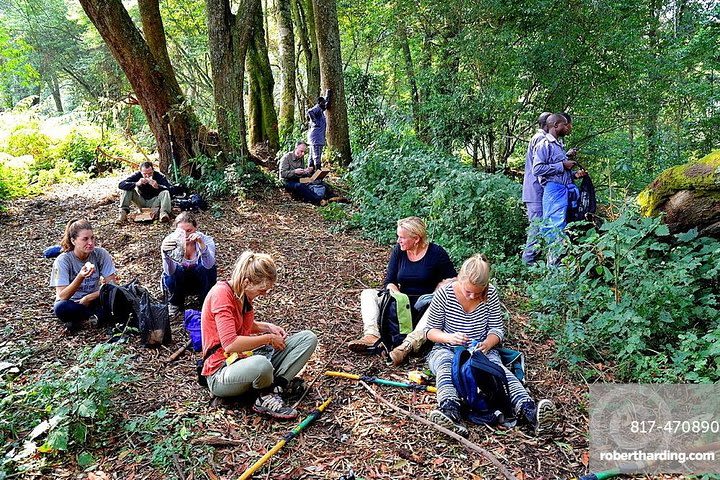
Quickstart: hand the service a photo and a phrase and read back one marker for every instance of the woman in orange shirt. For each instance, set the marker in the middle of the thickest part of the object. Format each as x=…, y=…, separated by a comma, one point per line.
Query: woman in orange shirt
x=230, y=333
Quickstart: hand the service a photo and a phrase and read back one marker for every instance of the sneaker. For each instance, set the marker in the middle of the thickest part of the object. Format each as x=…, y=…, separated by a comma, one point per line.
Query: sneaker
x=448, y=416
x=400, y=353
x=364, y=344
x=164, y=217
x=122, y=218
x=274, y=406
x=540, y=416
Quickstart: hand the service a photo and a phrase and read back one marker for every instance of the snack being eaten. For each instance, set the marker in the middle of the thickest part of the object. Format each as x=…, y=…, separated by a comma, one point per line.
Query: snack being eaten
x=89, y=266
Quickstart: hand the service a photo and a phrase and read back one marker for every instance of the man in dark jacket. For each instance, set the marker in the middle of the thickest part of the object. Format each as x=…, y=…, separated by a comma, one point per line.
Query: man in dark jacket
x=146, y=189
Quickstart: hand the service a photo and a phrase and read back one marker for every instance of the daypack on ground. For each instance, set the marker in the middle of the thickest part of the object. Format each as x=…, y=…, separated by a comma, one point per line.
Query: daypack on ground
x=585, y=205
x=482, y=388
x=131, y=305
x=396, y=318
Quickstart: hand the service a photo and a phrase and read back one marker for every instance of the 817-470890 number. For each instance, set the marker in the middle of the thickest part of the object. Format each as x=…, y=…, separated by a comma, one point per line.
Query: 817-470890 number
x=675, y=426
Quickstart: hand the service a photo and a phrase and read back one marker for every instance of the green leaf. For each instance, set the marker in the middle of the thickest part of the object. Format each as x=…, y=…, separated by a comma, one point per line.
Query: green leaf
x=662, y=230
x=58, y=438
x=687, y=236
x=87, y=408
x=85, y=459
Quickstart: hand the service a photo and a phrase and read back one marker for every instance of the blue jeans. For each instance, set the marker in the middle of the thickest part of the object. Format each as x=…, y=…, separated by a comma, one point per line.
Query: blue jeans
x=554, y=208
x=186, y=281
x=534, y=214
x=72, y=313
x=303, y=191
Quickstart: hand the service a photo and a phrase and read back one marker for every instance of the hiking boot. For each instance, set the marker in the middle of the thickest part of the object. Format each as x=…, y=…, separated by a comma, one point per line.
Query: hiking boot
x=274, y=406
x=164, y=217
x=122, y=218
x=400, y=353
x=364, y=344
x=540, y=416
x=448, y=416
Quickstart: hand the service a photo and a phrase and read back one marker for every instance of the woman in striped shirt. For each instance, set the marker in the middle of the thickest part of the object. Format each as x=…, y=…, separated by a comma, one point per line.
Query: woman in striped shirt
x=463, y=311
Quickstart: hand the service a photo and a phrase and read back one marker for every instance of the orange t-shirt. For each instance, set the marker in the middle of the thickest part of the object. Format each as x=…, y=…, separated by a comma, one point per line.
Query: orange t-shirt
x=222, y=321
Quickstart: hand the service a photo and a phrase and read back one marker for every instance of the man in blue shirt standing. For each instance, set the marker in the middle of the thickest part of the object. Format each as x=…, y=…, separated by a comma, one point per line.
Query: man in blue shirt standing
x=316, y=134
x=532, y=193
x=554, y=171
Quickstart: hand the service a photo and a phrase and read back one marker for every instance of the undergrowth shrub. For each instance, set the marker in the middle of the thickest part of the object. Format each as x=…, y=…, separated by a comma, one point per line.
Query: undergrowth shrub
x=467, y=211
x=632, y=295
x=62, y=411
x=241, y=179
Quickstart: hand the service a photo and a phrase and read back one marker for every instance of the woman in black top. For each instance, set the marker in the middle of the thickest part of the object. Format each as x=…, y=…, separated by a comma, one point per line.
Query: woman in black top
x=416, y=268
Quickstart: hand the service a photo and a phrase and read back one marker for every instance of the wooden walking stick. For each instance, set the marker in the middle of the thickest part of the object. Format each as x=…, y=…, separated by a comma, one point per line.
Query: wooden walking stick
x=288, y=437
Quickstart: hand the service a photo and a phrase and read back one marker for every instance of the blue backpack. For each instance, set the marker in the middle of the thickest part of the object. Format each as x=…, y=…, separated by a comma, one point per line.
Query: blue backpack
x=482, y=388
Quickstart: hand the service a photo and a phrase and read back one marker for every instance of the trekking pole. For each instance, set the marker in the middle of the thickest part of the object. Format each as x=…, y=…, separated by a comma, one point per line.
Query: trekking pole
x=381, y=381
x=312, y=416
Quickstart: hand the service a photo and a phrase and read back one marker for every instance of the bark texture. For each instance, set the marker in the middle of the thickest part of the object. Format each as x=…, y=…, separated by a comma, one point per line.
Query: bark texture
x=286, y=43
x=161, y=102
x=262, y=114
x=689, y=195
x=331, y=77
x=229, y=36
x=305, y=22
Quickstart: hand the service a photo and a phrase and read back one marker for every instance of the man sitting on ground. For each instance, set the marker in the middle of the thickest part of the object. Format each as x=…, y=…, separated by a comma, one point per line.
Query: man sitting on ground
x=146, y=189
x=292, y=169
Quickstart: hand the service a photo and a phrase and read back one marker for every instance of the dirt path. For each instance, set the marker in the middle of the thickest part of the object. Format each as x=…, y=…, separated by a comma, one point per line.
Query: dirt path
x=321, y=276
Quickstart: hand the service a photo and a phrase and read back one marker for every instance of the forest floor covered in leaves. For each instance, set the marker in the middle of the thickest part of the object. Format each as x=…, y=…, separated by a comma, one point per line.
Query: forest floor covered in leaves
x=320, y=278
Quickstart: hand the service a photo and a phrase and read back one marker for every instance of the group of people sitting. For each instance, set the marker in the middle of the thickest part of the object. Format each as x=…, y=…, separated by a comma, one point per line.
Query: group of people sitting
x=241, y=354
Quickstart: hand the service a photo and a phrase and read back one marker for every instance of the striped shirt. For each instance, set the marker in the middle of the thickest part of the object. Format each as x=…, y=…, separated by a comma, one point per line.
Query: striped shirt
x=447, y=314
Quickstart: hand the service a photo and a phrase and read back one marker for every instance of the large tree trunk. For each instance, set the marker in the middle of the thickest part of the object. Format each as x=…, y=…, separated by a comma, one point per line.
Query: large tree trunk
x=262, y=115
x=305, y=21
x=689, y=195
x=162, y=104
x=286, y=44
x=331, y=75
x=229, y=37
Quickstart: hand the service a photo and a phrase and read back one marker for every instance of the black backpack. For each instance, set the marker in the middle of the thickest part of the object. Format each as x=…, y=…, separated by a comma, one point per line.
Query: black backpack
x=392, y=333
x=131, y=305
x=482, y=387
x=586, y=205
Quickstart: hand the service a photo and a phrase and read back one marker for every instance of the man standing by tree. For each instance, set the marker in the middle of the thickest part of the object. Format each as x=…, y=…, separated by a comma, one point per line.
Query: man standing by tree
x=316, y=134
x=532, y=193
x=554, y=171
x=147, y=189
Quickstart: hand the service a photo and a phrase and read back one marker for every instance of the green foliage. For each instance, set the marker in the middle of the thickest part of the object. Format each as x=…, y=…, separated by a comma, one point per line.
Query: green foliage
x=78, y=150
x=14, y=182
x=467, y=211
x=62, y=410
x=241, y=179
x=633, y=295
x=168, y=437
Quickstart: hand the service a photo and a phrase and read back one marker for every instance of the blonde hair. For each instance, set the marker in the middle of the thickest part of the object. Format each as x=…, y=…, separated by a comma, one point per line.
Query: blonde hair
x=257, y=268
x=476, y=270
x=72, y=230
x=415, y=226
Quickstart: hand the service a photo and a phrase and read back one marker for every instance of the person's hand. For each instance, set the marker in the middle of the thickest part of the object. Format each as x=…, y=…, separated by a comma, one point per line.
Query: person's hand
x=142, y=181
x=393, y=288
x=569, y=164
x=484, y=347
x=572, y=153
x=276, y=341
x=309, y=170
x=168, y=244
x=153, y=183
x=277, y=330
x=85, y=301
x=195, y=237
x=458, y=339
x=87, y=270
x=581, y=173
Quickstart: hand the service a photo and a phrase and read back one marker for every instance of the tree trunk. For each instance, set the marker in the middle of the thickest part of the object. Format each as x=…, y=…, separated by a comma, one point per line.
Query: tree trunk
x=262, y=115
x=305, y=22
x=161, y=103
x=55, y=88
x=287, y=69
x=410, y=73
x=229, y=37
x=331, y=75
